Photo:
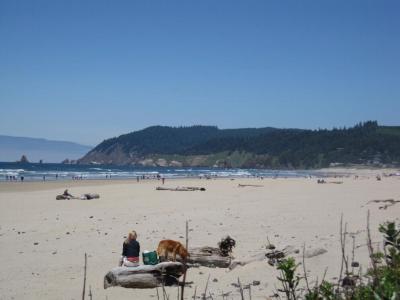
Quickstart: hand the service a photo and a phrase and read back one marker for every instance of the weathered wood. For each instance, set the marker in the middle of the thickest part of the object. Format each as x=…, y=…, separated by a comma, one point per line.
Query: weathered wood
x=88, y=196
x=64, y=197
x=252, y=185
x=181, y=189
x=146, y=276
x=208, y=257
x=195, y=188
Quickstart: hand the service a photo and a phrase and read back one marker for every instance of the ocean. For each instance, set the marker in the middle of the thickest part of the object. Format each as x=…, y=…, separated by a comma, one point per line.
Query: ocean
x=47, y=171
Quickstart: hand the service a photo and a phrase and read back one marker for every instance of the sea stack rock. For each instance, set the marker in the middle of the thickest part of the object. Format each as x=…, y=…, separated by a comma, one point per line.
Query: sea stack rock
x=24, y=159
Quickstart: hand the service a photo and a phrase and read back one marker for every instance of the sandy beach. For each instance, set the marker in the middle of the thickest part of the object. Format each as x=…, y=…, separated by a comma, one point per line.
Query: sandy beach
x=43, y=241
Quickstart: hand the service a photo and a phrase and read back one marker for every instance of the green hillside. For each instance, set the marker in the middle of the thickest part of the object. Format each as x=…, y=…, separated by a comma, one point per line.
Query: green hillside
x=365, y=143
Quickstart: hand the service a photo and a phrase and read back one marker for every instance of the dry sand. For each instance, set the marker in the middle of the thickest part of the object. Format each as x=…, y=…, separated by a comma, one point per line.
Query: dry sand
x=288, y=211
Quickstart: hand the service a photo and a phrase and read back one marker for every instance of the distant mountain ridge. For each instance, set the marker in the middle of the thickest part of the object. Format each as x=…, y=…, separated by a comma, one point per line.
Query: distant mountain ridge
x=36, y=149
x=365, y=143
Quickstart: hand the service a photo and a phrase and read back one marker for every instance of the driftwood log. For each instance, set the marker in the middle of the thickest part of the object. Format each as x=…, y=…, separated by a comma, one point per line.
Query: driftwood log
x=208, y=257
x=252, y=185
x=181, y=189
x=165, y=273
x=146, y=276
x=88, y=196
x=195, y=188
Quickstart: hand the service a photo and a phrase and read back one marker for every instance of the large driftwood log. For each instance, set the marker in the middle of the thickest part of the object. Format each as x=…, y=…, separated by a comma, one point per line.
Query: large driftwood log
x=252, y=185
x=181, y=189
x=146, y=276
x=208, y=257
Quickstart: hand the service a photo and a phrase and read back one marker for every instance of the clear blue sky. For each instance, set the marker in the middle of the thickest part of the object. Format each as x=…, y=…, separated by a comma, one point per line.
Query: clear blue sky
x=88, y=70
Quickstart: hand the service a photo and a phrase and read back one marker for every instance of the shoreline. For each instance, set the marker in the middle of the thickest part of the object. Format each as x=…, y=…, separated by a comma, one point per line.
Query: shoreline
x=50, y=184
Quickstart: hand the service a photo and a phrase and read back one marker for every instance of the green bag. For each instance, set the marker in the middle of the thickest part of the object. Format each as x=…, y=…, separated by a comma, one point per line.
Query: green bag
x=150, y=258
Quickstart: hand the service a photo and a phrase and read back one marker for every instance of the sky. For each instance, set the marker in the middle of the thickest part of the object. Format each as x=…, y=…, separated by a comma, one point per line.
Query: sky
x=85, y=71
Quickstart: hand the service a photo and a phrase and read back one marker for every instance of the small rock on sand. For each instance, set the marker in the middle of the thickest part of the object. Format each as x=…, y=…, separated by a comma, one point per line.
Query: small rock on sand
x=355, y=264
x=270, y=247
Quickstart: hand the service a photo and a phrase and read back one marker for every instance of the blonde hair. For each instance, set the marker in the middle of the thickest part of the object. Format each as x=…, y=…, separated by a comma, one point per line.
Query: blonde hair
x=131, y=236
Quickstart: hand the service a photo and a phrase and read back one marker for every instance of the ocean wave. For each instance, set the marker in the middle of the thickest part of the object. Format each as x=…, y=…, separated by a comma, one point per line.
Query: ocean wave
x=14, y=170
x=11, y=172
x=65, y=172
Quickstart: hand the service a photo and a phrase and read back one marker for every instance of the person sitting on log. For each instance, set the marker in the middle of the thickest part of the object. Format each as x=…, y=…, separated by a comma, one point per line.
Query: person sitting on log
x=130, y=251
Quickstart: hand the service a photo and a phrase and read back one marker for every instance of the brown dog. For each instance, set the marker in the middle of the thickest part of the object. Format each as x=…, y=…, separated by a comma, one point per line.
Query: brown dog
x=169, y=246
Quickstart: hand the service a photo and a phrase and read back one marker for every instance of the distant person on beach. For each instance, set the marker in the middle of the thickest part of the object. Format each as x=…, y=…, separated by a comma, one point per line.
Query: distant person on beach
x=130, y=251
x=56, y=176
x=163, y=180
x=44, y=178
x=137, y=178
x=22, y=178
x=66, y=193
